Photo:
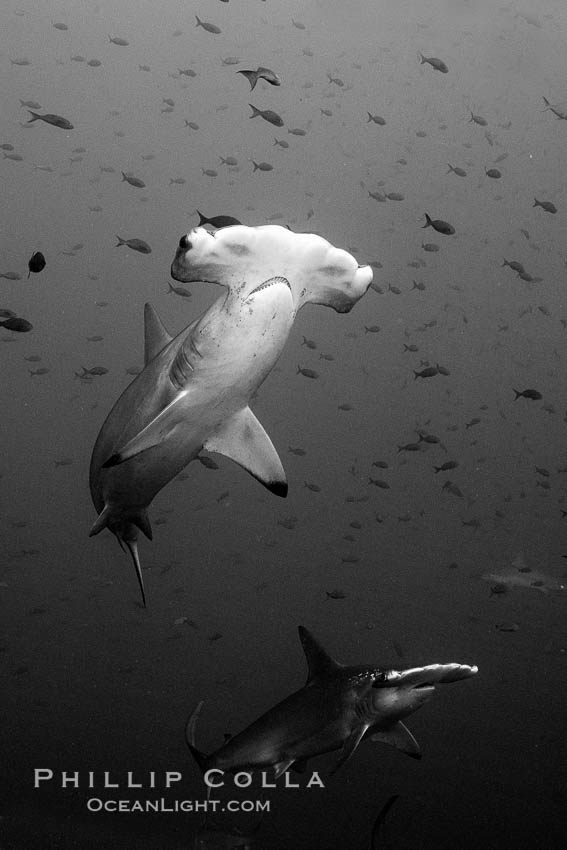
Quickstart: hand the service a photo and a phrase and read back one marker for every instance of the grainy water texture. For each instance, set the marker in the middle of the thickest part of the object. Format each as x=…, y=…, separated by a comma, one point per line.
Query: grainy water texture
x=423, y=434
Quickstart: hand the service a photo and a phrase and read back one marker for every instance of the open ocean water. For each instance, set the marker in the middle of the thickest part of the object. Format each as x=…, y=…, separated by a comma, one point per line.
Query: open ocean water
x=453, y=550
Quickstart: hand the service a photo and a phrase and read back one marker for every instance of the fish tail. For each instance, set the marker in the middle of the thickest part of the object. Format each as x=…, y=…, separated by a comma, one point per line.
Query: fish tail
x=202, y=218
x=255, y=111
x=120, y=241
x=428, y=221
x=536, y=203
x=199, y=23
x=35, y=116
x=422, y=57
x=415, y=374
x=518, y=394
x=256, y=166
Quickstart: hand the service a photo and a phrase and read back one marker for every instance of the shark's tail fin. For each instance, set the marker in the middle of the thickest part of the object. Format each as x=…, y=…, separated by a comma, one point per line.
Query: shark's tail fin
x=126, y=532
x=190, y=727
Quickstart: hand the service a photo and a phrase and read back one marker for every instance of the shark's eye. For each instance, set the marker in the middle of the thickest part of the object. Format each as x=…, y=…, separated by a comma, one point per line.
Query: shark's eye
x=185, y=243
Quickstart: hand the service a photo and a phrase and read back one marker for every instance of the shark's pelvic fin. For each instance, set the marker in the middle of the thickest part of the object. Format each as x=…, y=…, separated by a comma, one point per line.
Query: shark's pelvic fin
x=242, y=439
x=101, y=521
x=350, y=745
x=281, y=767
x=155, y=335
x=319, y=662
x=400, y=737
x=152, y=435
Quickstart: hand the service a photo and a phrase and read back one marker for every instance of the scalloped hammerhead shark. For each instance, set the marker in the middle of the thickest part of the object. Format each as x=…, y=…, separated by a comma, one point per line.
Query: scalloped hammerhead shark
x=337, y=708
x=195, y=389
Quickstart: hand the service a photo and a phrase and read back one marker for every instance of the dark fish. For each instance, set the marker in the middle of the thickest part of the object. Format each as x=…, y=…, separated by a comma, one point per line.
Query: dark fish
x=313, y=487
x=267, y=115
x=452, y=488
x=460, y=172
x=36, y=263
x=94, y=63
x=133, y=181
x=534, y=395
x=56, y=120
x=411, y=447
x=379, y=482
x=376, y=119
x=411, y=347
x=307, y=373
x=217, y=221
x=478, y=119
x=395, y=196
x=261, y=74
x=208, y=27
x=474, y=421
x=135, y=245
x=297, y=131
x=186, y=72
x=514, y=265
x=121, y=42
x=17, y=325
x=438, y=64
x=335, y=594
x=430, y=247
x=495, y=173
x=262, y=166
x=336, y=80
x=439, y=225
x=309, y=343
x=60, y=26
x=449, y=464
x=43, y=370
x=297, y=451
x=545, y=205
x=428, y=372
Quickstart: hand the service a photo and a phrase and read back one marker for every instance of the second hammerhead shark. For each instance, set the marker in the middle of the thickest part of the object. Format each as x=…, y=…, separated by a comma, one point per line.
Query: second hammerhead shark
x=335, y=710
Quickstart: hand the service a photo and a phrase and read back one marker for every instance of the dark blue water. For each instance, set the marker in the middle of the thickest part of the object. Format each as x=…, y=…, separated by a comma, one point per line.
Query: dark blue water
x=92, y=682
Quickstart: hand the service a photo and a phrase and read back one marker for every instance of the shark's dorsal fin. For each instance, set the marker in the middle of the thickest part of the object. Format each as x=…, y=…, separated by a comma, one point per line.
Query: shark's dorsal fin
x=400, y=737
x=155, y=335
x=242, y=439
x=319, y=662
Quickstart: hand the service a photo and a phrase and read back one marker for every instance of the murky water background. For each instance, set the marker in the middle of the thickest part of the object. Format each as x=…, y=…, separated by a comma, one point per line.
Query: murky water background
x=90, y=680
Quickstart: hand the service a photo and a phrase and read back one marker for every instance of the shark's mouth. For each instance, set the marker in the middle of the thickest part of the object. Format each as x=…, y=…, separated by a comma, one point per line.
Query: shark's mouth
x=272, y=281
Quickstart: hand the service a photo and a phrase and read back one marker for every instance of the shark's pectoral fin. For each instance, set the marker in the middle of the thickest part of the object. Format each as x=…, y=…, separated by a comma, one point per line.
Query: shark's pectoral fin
x=400, y=737
x=242, y=439
x=350, y=746
x=153, y=434
x=155, y=335
x=281, y=767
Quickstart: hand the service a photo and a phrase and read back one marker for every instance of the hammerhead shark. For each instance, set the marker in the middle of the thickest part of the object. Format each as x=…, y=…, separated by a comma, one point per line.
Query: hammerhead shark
x=335, y=710
x=195, y=389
